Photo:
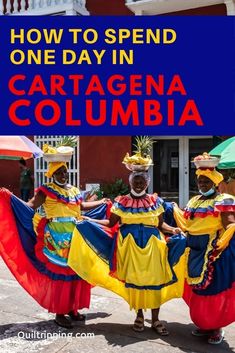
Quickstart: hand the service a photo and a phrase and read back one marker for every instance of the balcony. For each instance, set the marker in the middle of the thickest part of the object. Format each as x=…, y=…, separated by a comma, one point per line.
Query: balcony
x=44, y=7
x=157, y=7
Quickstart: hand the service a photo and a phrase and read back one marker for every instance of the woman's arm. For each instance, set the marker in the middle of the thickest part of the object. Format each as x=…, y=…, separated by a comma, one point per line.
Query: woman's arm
x=37, y=200
x=165, y=228
x=113, y=219
x=228, y=221
x=227, y=218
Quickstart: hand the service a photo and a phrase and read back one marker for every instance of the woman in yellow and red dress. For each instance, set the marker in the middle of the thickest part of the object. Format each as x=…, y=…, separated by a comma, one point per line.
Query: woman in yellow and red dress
x=37, y=252
x=209, y=219
x=137, y=263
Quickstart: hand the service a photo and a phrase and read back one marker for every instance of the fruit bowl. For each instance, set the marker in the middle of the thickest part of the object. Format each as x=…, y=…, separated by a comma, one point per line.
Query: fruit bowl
x=57, y=157
x=211, y=162
x=137, y=167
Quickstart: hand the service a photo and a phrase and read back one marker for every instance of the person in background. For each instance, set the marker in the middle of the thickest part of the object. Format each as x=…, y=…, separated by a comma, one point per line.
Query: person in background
x=228, y=184
x=26, y=181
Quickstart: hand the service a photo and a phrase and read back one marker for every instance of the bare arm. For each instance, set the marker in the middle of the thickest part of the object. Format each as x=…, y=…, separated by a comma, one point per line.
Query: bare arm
x=227, y=218
x=88, y=205
x=165, y=228
x=37, y=200
x=114, y=219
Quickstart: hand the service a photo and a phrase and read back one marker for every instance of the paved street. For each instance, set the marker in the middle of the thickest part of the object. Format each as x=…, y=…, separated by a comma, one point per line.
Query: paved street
x=25, y=326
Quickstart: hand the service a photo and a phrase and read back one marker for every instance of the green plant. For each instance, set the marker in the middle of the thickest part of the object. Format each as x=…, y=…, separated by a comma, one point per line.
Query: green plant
x=143, y=145
x=70, y=141
x=113, y=189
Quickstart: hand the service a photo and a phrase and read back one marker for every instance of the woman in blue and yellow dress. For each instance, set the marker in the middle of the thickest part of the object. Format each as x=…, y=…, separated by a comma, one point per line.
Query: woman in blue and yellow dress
x=37, y=252
x=209, y=219
x=137, y=263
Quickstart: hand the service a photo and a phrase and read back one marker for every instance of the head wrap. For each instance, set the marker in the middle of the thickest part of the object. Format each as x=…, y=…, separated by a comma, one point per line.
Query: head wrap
x=53, y=167
x=213, y=175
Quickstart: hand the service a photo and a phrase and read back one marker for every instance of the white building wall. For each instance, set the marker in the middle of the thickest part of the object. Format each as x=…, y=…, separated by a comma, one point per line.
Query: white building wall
x=157, y=7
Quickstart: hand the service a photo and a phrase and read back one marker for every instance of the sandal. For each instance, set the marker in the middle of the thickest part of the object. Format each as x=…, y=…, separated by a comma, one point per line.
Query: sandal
x=77, y=316
x=63, y=321
x=160, y=328
x=200, y=333
x=217, y=337
x=138, y=324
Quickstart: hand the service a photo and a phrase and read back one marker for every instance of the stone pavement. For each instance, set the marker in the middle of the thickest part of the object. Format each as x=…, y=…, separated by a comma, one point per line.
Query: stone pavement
x=25, y=326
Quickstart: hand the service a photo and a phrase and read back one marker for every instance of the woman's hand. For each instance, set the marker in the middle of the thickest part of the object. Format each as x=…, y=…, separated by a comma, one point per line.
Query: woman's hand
x=104, y=200
x=89, y=205
x=176, y=230
x=86, y=218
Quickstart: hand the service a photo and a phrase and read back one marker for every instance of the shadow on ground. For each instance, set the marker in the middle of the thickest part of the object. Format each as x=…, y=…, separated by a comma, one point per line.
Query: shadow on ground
x=116, y=335
x=180, y=337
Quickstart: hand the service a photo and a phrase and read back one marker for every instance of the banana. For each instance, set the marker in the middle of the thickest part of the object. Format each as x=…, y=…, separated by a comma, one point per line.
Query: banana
x=137, y=159
x=49, y=149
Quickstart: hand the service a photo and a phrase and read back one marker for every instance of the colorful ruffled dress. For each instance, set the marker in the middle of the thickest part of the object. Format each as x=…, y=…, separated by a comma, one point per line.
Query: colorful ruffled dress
x=137, y=263
x=210, y=275
x=36, y=252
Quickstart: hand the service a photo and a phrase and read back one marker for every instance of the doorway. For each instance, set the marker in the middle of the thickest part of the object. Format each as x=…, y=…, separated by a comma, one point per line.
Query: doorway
x=166, y=169
x=173, y=173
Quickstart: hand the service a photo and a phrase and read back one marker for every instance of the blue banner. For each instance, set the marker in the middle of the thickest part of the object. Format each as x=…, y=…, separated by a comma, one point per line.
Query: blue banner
x=90, y=75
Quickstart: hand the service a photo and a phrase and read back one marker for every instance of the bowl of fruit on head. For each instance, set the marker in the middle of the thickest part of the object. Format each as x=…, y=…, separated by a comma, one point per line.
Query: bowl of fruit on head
x=206, y=161
x=62, y=152
x=140, y=160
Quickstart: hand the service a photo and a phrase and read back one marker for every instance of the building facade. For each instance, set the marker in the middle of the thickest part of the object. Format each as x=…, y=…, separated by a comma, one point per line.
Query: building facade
x=118, y=7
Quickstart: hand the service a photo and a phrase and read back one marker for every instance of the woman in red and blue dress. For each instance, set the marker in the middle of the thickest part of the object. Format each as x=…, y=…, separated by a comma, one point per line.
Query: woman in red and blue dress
x=36, y=248
x=209, y=219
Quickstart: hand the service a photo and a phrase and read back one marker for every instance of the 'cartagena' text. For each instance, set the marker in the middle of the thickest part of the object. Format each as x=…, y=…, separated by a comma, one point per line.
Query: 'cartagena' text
x=116, y=100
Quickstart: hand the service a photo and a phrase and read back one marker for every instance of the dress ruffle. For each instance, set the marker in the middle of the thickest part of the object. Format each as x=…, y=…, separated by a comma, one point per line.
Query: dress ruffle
x=57, y=289
x=71, y=196
x=200, y=208
x=211, y=207
x=211, y=312
x=127, y=204
x=201, y=254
